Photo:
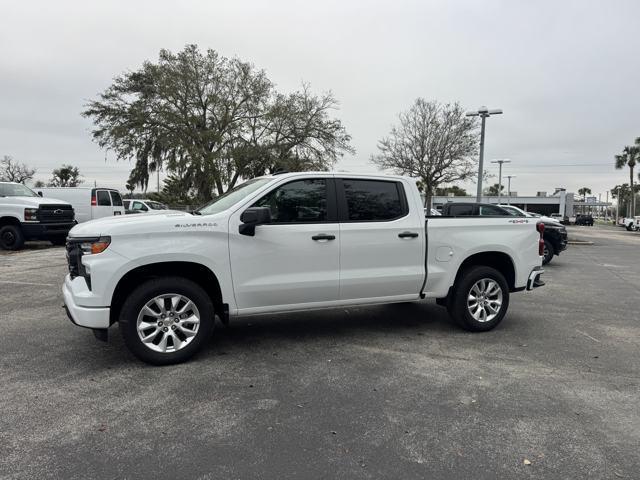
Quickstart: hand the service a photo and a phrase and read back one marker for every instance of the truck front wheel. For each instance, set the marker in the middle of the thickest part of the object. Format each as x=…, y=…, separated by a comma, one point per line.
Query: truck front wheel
x=11, y=237
x=480, y=299
x=166, y=320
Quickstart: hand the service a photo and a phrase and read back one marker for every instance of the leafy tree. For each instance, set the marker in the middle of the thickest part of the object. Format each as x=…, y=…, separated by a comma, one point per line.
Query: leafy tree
x=65, y=176
x=213, y=121
x=12, y=171
x=455, y=190
x=629, y=158
x=433, y=142
x=622, y=193
x=39, y=184
x=583, y=192
x=494, y=189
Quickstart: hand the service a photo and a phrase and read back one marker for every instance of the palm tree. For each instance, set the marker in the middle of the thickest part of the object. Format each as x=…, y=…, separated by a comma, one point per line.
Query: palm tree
x=629, y=158
x=583, y=192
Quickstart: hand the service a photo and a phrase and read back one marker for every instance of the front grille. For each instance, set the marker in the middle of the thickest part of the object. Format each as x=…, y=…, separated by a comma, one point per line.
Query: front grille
x=55, y=213
x=74, y=258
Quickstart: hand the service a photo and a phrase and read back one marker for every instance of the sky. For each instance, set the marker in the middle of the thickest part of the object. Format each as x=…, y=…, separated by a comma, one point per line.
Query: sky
x=566, y=73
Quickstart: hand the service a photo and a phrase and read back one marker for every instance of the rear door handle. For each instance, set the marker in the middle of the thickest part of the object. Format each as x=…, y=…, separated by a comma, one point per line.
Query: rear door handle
x=408, y=235
x=323, y=236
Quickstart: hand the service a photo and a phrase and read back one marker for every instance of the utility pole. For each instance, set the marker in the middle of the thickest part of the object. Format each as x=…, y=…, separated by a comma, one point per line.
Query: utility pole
x=500, y=162
x=509, y=177
x=483, y=113
x=617, y=203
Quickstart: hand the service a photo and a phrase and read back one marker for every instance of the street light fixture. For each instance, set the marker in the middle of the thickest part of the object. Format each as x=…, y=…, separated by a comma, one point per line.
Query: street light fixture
x=500, y=175
x=509, y=177
x=483, y=113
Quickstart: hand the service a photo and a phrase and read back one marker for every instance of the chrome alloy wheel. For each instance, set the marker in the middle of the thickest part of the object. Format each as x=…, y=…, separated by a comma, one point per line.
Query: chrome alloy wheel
x=167, y=323
x=484, y=300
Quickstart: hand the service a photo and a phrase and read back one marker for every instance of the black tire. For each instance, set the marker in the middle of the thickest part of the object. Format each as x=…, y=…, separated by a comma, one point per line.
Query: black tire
x=11, y=237
x=145, y=293
x=459, y=308
x=549, y=252
x=629, y=228
x=58, y=240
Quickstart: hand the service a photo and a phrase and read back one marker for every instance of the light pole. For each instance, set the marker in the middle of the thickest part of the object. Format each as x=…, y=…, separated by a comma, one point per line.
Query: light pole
x=500, y=162
x=617, y=203
x=483, y=113
x=509, y=177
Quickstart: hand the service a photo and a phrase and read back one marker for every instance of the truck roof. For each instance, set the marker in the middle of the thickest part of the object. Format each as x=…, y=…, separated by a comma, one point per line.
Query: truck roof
x=341, y=174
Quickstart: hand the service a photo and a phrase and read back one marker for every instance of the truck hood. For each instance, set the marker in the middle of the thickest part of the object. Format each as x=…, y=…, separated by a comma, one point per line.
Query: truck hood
x=33, y=202
x=142, y=224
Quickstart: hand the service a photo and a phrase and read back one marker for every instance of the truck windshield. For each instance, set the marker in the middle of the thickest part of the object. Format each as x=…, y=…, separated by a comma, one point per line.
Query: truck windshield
x=15, y=190
x=233, y=196
x=156, y=206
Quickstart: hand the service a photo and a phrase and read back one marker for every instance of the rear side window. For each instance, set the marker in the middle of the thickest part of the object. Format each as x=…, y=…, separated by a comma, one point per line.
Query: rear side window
x=460, y=210
x=103, y=198
x=116, y=199
x=491, y=210
x=373, y=200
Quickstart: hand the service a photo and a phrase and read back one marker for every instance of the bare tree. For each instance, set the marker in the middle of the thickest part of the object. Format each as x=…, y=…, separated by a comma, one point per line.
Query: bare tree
x=12, y=171
x=433, y=142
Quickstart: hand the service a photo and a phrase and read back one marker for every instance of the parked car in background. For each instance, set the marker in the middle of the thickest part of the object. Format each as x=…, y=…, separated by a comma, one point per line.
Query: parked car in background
x=472, y=209
x=291, y=242
x=136, y=205
x=26, y=216
x=630, y=223
x=88, y=203
x=558, y=217
x=584, y=219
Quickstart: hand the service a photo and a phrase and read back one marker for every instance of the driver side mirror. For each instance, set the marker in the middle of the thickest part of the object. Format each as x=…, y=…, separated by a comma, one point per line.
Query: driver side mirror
x=252, y=217
x=39, y=194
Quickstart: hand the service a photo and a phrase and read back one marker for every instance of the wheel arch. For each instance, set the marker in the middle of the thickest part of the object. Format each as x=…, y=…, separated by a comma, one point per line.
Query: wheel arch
x=196, y=272
x=8, y=220
x=499, y=260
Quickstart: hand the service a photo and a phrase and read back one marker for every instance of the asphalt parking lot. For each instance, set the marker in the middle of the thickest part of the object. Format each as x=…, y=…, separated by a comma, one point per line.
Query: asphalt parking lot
x=377, y=392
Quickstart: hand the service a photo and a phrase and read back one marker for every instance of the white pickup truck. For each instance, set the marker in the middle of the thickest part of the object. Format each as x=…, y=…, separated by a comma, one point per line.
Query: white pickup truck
x=291, y=242
x=24, y=215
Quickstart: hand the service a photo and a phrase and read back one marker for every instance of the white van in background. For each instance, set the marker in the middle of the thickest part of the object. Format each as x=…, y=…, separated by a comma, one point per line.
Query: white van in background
x=88, y=203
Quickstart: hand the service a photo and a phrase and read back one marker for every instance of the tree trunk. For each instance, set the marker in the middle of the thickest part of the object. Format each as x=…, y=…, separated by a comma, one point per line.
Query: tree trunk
x=428, y=199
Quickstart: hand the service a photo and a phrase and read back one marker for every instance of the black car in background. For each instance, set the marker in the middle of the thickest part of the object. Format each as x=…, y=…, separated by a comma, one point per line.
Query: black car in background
x=584, y=219
x=555, y=234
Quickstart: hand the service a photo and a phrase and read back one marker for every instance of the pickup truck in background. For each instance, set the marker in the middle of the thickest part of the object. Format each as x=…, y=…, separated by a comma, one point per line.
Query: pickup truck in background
x=291, y=242
x=630, y=223
x=26, y=216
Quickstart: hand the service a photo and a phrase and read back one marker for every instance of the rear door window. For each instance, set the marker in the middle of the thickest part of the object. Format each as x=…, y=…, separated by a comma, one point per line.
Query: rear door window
x=373, y=200
x=491, y=210
x=104, y=200
x=461, y=210
x=116, y=199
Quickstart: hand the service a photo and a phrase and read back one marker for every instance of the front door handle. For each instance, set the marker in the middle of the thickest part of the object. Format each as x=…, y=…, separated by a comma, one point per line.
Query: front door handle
x=408, y=235
x=323, y=236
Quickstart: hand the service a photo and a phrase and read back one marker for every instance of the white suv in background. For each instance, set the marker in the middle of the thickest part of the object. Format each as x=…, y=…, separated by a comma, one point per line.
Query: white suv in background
x=88, y=203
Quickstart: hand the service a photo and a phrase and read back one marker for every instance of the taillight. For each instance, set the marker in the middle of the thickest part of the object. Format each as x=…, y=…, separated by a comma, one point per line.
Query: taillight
x=540, y=227
x=93, y=201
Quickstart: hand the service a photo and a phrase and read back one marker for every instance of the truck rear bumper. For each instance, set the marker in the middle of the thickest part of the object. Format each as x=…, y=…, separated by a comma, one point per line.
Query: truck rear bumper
x=534, y=280
x=89, y=317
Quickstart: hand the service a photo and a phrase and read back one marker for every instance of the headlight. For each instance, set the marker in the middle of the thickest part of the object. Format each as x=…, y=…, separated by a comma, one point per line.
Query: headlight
x=31, y=214
x=93, y=247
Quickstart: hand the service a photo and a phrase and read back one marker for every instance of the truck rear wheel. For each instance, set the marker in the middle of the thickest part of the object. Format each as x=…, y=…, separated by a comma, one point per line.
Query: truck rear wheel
x=11, y=237
x=166, y=320
x=548, y=252
x=480, y=299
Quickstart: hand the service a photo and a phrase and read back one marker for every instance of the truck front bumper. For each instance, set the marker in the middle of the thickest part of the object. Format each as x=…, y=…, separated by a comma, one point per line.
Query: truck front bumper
x=534, y=280
x=44, y=231
x=89, y=317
